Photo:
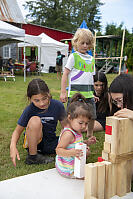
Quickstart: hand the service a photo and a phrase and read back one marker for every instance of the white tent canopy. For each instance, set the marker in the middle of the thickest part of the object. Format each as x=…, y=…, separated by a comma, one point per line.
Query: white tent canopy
x=8, y=31
x=10, y=34
x=30, y=40
x=48, y=49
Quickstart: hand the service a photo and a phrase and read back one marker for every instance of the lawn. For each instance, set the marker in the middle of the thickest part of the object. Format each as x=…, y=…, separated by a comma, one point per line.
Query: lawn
x=12, y=102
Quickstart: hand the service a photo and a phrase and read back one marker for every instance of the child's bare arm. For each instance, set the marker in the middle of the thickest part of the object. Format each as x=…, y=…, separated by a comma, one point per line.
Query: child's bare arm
x=13, y=149
x=65, y=140
x=91, y=140
x=63, y=95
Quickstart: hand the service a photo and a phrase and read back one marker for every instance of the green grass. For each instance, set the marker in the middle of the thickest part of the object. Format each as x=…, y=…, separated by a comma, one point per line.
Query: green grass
x=12, y=103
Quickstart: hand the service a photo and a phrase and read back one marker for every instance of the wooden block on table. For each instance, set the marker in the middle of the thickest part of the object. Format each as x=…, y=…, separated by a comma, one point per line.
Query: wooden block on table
x=107, y=147
x=108, y=130
x=129, y=175
x=113, y=181
x=108, y=138
x=105, y=155
x=121, y=134
x=121, y=188
x=90, y=184
x=100, y=179
x=108, y=180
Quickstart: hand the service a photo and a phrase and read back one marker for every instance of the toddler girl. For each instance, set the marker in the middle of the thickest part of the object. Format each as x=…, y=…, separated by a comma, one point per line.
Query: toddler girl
x=78, y=117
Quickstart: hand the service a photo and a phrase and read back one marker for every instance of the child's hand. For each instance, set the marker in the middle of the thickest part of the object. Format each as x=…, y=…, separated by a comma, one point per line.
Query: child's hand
x=77, y=153
x=96, y=99
x=87, y=151
x=91, y=140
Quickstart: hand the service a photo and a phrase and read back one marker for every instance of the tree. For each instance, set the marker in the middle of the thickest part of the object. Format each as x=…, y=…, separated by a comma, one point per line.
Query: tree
x=112, y=29
x=65, y=15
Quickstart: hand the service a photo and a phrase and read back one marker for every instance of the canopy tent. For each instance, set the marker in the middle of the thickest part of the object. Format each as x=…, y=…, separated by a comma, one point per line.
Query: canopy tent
x=29, y=40
x=49, y=48
x=8, y=32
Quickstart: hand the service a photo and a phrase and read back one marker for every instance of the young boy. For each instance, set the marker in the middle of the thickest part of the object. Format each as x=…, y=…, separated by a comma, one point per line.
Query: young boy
x=80, y=69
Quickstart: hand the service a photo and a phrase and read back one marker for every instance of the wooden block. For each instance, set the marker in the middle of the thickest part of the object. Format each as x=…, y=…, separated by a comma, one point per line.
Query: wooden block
x=121, y=135
x=107, y=147
x=90, y=184
x=130, y=135
x=100, y=179
x=108, y=138
x=121, y=187
x=119, y=158
x=129, y=175
x=105, y=155
x=108, y=180
x=79, y=165
x=113, y=180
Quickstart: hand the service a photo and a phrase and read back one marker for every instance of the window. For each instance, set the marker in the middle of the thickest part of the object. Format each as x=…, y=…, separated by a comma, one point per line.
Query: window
x=6, y=52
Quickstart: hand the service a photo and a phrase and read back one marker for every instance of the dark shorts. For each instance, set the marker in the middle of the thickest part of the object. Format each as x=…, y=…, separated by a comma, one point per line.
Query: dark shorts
x=102, y=122
x=58, y=68
x=91, y=102
x=48, y=147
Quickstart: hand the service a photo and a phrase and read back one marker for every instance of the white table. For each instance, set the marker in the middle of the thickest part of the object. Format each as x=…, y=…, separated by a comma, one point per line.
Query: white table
x=46, y=184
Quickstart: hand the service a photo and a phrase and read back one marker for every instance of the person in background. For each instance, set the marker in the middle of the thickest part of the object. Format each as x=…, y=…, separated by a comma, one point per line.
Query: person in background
x=28, y=63
x=78, y=117
x=59, y=63
x=10, y=66
x=101, y=99
x=80, y=69
x=39, y=119
x=121, y=96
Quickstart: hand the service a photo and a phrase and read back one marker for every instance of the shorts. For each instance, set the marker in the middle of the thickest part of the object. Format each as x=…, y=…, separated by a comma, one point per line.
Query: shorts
x=90, y=101
x=44, y=146
x=48, y=147
x=58, y=68
x=102, y=122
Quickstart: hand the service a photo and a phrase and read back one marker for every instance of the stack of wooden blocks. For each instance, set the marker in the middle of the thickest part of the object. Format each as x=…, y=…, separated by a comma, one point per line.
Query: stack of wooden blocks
x=112, y=176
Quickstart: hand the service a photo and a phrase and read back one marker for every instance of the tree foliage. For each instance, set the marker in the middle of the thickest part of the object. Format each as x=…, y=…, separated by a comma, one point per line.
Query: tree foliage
x=65, y=15
x=112, y=29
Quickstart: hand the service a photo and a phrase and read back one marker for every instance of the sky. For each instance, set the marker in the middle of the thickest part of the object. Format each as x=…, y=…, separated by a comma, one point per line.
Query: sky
x=113, y=11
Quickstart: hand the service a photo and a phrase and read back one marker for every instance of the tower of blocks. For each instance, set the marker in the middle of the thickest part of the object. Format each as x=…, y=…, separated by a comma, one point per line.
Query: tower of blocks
x=112, y=174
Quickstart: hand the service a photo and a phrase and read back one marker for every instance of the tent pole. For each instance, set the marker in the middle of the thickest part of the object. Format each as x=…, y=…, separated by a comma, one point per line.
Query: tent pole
x=94, y=46
x=122, y=51
x=39, y=60
x=24, y=65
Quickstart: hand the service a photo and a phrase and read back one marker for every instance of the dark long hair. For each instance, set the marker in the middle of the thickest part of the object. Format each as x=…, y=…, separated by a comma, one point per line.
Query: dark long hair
x=123, y=83
x=103, y=103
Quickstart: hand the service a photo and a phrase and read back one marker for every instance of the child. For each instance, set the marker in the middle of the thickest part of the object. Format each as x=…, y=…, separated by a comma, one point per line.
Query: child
x=102, y=105
x=121, y=96
x=10, y=66
x=78, y=117
x=59, y=62
x=40, y=120
x=80, y=69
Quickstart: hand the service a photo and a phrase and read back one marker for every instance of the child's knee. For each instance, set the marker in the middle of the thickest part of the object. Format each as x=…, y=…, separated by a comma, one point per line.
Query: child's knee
x=34, y=122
